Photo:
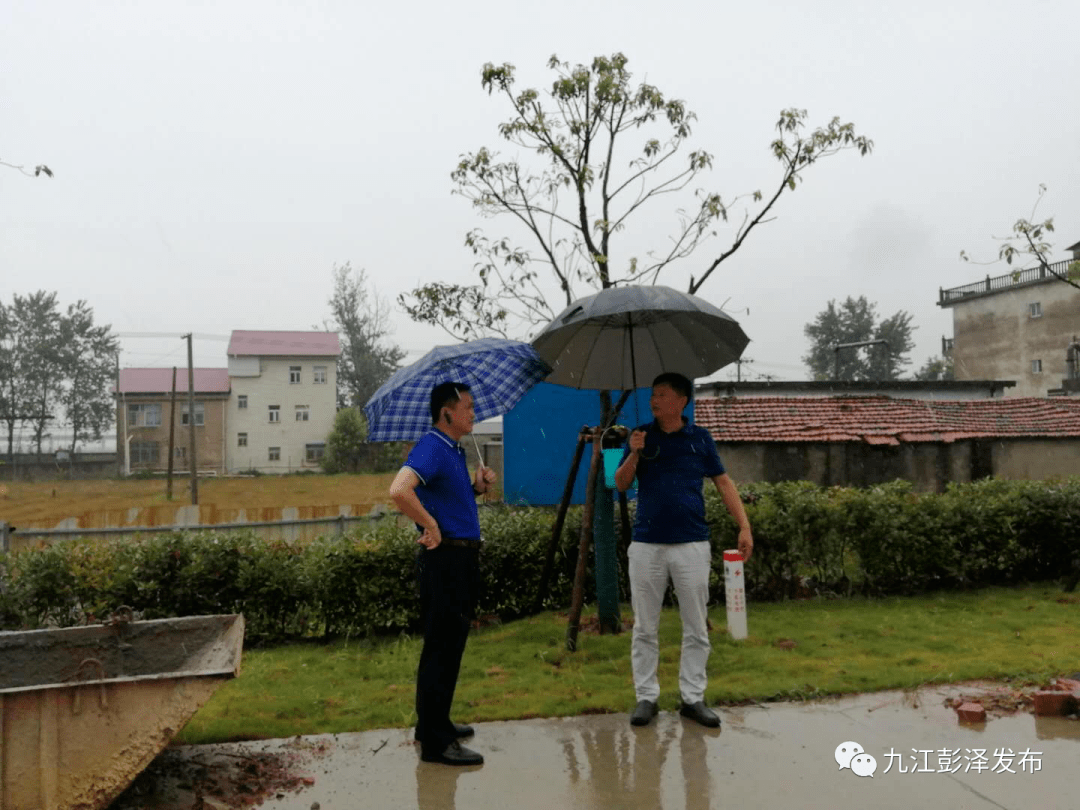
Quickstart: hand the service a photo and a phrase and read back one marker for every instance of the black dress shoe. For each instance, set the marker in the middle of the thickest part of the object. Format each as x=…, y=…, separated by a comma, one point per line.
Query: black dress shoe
x=454, y=754
x=643, y=713
x=462, y=730
x=700, y=713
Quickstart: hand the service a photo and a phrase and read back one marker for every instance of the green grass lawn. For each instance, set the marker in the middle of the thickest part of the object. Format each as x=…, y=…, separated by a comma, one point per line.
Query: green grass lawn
x=522, y=670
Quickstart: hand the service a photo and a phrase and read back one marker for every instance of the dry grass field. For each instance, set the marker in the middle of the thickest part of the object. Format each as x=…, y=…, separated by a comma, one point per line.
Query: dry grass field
x=112, y=502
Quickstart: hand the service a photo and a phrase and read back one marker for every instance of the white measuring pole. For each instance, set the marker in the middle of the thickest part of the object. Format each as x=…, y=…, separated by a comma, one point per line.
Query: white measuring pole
x=735, y=591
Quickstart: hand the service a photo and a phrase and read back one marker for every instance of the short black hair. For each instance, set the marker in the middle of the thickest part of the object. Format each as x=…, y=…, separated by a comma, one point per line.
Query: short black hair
x=679, y=384
x=443, y=394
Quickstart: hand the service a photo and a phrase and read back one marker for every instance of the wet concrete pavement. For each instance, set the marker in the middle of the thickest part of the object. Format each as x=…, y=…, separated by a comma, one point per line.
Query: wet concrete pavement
x=779, y=755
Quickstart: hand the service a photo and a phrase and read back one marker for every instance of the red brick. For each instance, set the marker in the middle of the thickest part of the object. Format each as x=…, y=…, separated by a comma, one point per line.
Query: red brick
x=971, y=713
x=1067, y=684
x=1053, y=704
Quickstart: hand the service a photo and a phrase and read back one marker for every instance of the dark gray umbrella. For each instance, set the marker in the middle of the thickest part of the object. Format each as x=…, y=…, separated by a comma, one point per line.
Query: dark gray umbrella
x=611, y=340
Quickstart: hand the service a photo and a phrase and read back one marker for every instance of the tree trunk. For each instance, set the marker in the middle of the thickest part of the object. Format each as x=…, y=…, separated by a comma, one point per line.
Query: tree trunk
x=577, y=600
x=560, y=518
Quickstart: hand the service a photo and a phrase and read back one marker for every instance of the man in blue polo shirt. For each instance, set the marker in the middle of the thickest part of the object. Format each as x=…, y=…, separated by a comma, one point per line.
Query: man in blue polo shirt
x=670, y=459
x=435, y=491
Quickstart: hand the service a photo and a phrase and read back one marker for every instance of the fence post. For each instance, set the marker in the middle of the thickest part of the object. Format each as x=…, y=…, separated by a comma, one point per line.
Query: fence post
x=340, y=525
x=6, y=529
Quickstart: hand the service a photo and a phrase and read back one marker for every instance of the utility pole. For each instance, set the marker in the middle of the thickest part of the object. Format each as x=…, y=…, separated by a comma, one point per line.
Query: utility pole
x=121, y=423
x=172, y=432
x=738, y=367
x=191, y=422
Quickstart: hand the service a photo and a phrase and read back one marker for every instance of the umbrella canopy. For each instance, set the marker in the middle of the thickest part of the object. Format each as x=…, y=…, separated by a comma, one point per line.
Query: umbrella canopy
x=611, y=340
x=498, y=372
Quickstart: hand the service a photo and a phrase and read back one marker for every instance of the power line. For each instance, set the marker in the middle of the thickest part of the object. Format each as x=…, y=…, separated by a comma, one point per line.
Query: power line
x=176, y=334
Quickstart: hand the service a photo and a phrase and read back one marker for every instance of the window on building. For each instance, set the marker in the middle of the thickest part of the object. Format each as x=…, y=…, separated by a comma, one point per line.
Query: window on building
x=144, y=415
x=275, y=454
x=180, y=454
x=294, y=375
x=314, y=452
x=200, y=414
x=319, y=375
x=275, y=413
x=1036, y=366
x=144, y=452
x=241, y=440
x=1035, y=309
x=241, y=401
x=302, y=413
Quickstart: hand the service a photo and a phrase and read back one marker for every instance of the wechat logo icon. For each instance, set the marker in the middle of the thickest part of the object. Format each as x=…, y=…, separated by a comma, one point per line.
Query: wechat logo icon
x=851, y=755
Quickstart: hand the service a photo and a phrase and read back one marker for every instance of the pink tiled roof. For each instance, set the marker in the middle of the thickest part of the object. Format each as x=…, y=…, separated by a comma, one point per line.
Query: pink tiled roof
x=284, y=344
x=885, y=420
x=159, y=380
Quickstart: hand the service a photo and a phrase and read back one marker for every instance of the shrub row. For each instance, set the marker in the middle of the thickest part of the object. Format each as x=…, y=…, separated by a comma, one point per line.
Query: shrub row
x=808, y=541
x=889, y=539
x=359, y=584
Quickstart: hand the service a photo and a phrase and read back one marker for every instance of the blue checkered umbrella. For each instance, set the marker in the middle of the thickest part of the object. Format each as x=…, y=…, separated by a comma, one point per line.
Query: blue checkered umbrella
x=498, y=372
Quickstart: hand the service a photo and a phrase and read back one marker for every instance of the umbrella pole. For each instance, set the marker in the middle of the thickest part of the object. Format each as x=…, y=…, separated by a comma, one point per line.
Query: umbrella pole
x=618, y=408
x=633, y=373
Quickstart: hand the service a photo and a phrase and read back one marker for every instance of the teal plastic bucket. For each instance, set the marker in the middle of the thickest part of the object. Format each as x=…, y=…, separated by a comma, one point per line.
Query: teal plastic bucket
x=612, y=457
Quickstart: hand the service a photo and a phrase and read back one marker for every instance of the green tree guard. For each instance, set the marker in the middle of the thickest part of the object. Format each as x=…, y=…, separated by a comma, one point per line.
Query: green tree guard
x=605, y=561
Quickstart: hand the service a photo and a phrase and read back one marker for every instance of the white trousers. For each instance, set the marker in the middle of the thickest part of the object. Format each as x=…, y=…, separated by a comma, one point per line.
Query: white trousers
x=687, y=566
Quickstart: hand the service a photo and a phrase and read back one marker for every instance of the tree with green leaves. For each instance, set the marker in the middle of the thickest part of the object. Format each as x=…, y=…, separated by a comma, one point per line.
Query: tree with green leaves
x=855, y=320
x=36, y=319
x=346, y=446
x=87, y=362
x=11, y=396
x=360, y=317
x=1029, y=240
x=593, y=158
x=29, y=377
x=936, y=369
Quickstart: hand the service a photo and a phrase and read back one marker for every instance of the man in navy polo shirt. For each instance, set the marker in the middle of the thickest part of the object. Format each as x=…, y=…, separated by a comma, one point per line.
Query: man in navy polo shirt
x=434, y=489
x=670, y=459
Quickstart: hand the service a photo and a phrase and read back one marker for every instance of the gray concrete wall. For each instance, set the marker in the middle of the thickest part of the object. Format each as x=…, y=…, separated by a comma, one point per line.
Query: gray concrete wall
x=1036, y=459
x=743, y=462
x=928, y=465
x=996, y=338
x=29, y=467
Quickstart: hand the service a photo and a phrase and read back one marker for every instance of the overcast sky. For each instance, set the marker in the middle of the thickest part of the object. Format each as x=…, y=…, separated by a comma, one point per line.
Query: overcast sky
x=215, y=160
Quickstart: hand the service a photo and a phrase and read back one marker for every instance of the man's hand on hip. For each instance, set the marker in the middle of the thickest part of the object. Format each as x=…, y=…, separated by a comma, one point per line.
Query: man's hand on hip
x=430, y=538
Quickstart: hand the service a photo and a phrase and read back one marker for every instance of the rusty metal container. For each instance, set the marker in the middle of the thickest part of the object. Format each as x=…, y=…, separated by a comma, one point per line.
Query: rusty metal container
x=83, y=710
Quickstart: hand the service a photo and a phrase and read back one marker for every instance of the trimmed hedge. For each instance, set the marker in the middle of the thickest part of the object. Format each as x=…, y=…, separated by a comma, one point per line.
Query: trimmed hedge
x=808, y=541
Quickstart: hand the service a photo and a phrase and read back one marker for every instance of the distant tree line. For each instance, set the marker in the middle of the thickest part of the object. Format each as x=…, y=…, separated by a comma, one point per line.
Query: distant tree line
x=56, y=366
x=886, y=344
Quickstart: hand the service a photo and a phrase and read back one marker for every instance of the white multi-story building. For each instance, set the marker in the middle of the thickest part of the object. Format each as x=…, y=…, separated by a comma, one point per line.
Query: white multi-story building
x=283, y=399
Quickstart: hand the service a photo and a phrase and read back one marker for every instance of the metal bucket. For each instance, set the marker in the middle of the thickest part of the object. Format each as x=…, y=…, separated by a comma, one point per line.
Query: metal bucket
x=83, y=710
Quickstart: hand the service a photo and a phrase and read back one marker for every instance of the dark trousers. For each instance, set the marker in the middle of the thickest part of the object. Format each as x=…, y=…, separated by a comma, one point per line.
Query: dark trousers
x=448, y=578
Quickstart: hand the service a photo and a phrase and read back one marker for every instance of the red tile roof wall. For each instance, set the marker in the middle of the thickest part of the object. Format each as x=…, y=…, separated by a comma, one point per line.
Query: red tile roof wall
x=284, y=344
x=885, y=420
x=159, y=380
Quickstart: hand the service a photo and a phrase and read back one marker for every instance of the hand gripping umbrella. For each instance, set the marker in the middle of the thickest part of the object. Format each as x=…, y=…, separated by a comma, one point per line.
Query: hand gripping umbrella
x=498, y=372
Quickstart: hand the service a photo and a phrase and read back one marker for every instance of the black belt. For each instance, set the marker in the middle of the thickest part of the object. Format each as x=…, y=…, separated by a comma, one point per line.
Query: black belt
x=463, y=542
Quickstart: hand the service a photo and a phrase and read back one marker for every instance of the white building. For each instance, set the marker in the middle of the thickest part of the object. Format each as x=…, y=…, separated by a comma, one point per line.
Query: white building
x=283, y=399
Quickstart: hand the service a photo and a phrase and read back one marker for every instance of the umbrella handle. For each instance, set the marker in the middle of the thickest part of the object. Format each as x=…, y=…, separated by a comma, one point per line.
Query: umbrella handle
x=479, y=458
